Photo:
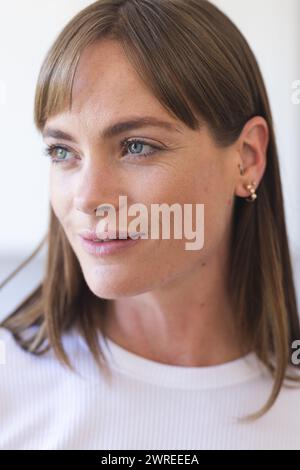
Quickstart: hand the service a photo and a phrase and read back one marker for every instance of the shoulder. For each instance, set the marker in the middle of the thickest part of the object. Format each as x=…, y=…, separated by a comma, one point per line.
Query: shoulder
x=289, y=396
x=8, y=347
x=12, y=352
x=16, y=363
x=18, y=366
x=285, y=410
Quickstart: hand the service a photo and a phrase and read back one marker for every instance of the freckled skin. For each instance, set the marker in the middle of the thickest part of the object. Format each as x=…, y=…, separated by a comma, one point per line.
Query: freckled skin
x=157, y=287
x=192, y=170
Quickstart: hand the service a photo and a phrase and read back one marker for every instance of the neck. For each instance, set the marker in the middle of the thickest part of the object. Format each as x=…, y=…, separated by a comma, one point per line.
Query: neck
x=188, y=322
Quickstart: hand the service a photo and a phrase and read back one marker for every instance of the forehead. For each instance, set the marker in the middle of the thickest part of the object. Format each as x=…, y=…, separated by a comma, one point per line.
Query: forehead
x=107, y=85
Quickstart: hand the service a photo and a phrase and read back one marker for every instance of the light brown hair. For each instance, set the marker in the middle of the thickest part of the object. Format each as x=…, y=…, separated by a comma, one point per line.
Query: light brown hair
x=201, y=69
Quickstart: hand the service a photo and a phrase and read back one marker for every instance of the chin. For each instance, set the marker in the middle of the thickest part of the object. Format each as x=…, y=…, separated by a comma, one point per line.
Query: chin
x=114, y=292
x=110, y=285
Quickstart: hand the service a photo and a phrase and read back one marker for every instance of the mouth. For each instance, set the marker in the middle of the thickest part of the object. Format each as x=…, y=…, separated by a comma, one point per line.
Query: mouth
x=95, y=236
x=108, y=244
x=110, y=239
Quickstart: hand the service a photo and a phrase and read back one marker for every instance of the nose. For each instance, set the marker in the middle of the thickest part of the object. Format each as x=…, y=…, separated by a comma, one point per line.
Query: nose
x=97, y=184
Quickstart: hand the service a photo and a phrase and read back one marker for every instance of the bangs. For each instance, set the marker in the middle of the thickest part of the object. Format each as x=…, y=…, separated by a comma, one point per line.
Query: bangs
x=162, y=65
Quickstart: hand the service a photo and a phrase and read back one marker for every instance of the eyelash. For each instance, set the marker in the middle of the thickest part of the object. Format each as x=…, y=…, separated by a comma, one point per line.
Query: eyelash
x=124, y=145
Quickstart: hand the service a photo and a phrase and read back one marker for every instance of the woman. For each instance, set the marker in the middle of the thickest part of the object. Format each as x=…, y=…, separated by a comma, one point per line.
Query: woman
x=143, y=344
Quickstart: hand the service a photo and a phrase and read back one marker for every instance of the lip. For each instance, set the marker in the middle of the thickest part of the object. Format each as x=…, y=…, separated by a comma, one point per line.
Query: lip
x=113, y=246
x=94, y=235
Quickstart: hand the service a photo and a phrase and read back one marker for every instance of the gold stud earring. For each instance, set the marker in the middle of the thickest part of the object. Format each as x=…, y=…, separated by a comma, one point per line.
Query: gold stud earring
x=251, y=189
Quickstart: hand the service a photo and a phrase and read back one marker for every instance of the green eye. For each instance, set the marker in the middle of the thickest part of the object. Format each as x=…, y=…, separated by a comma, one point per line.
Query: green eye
x=57, y=153
x=61, y=153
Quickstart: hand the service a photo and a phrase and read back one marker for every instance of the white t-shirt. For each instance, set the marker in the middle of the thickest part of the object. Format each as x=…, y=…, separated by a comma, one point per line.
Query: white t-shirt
x=147, y=405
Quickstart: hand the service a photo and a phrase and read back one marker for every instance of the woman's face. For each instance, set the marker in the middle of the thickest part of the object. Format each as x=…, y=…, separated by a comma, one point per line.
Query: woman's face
x=186, y=167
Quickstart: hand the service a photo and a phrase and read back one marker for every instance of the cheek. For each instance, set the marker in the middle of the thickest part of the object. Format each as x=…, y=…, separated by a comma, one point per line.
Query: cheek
x=197, y=182
x=209, y=185
x=218, y=212
x=166, y=184
x=193, y=183
x=60, y=196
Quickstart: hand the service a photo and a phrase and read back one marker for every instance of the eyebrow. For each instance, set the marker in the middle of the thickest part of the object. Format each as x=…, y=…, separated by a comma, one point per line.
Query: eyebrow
x=117, y=128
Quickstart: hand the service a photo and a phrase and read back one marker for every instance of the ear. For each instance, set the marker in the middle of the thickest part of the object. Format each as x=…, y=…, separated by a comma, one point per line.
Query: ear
x=252, y=148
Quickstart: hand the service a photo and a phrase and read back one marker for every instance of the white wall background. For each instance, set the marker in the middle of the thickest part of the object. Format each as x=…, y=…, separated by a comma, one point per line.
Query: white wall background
x=27, y=29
